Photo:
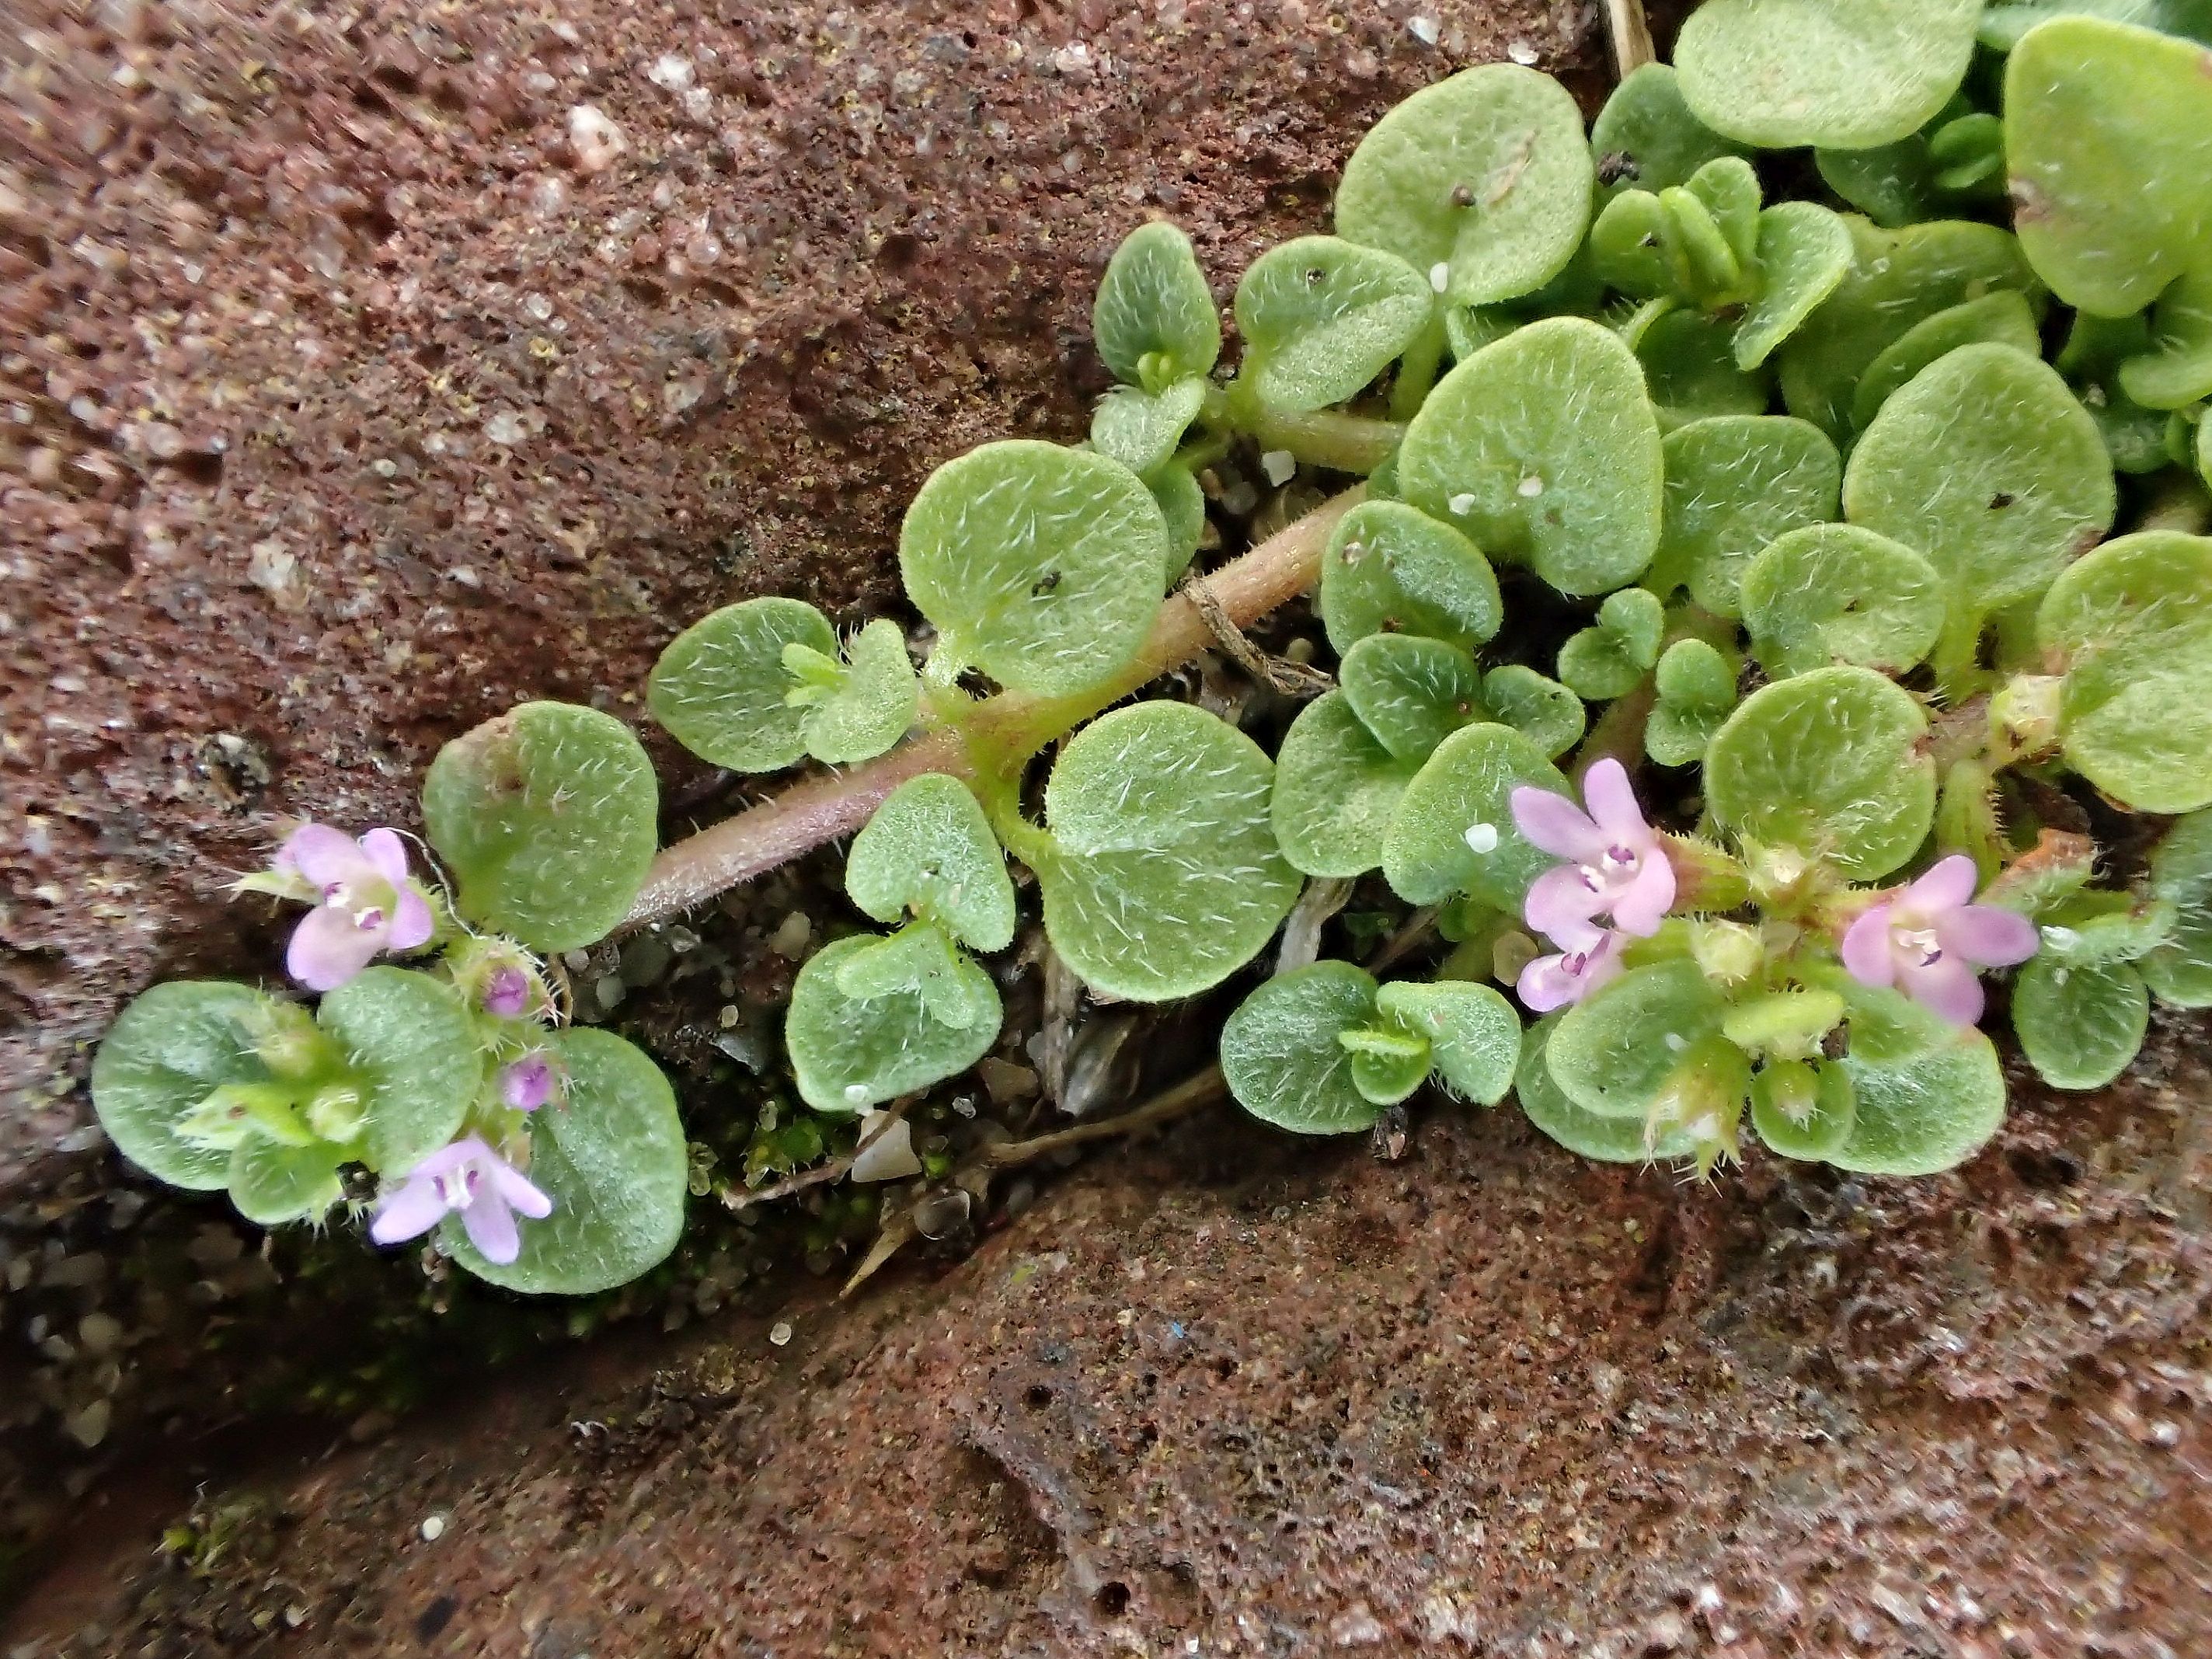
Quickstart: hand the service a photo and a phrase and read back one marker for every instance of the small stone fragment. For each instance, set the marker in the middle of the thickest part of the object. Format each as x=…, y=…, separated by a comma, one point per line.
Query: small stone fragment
x=1281, y=466
x=594, y=141
x=1424, y=29
x=779, y=1333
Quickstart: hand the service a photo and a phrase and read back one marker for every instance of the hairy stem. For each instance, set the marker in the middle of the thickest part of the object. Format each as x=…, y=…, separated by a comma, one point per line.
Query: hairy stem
x=1325, y=438
x=997, y=732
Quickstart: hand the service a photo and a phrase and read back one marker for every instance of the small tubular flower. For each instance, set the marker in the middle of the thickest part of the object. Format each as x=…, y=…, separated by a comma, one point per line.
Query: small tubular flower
x=1617, y=871
x=1554, y=981
x=1931, y=942
x=528, y=1084
x=507, y=992
x=470, y=1180
x=365, y=904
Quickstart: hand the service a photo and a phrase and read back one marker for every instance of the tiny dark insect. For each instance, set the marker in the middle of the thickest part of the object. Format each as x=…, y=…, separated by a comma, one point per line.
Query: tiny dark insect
x=1462, y=196
x=1615, y=165
x=1316, y=276
x=1045, y=584
x=2003, y=498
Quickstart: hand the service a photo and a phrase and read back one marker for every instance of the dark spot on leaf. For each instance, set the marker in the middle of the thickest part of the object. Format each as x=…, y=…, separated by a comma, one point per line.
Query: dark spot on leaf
x=1045, y=584
x=2003, y=498
x=1315, y=275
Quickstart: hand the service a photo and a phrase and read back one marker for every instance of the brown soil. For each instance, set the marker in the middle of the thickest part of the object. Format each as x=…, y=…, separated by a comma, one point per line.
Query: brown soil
x=343, y=408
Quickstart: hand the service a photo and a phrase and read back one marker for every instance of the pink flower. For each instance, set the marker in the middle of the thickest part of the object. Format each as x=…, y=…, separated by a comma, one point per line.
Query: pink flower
x=527, y=1083
x=1929, y=942
x=1617, y=869
x=470, y=1180
x=507, y=992
x=1552, y=982
x=365, y=903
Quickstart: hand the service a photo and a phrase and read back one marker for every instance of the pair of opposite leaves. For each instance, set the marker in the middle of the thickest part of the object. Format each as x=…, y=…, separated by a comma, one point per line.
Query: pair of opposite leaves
x=611, y=1154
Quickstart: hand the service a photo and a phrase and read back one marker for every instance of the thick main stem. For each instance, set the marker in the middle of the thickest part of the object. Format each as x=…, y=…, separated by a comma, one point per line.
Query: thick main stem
x=1000, y=729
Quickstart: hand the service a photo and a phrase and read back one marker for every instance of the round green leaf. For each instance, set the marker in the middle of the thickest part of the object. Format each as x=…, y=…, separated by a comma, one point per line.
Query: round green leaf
x=875, y=703
x=1803, y=1111
x=1627, y=247
x=1833, y=763
x=1696, y=686
x=1410, y=692
x=1646, y=138
x=1986, y=465
x=1838, y=593
x=2104, y=128
x=922, y=960
x=2003, y=25
x=1609, y=1139
x=2180, y=970
x=1846, y=74
x=272, y=1183
x=1280, y=1055
x=1472, y=1033
x=1487, y=175
x=1689, y=363
x=2177, y=372
x=169, y=1051
x=849, y=1054
x=2133, y=623
x=1614, y=1051
x=1162, y=876
x=547, y=818
x=611, y=1156
x=1927, y=1094
x=2092, y=359
x=1142, y=429
x=1733, y=483
x=1897, y=278
x=1468, y=785
x=2079, y=1025
x=1386, y=1065
x=1894, y=185
x=1335, y=789
x=1539, y=708
x=1391, y=568
x=1804, y=253
x=929, y=850
x=2003, y=318
x=1607, y=659
x=1546, y=447
x=409, y=1042
x=719, y=688
x=1153, y=302
x=1042, y=566
x=1322, y=317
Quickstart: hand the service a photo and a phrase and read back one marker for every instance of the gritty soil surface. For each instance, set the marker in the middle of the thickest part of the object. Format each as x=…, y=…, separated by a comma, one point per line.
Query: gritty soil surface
x=345, y=400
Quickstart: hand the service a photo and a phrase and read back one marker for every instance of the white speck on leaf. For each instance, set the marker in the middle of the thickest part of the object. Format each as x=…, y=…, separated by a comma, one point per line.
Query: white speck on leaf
x=1482, y=837
x=1440, y=275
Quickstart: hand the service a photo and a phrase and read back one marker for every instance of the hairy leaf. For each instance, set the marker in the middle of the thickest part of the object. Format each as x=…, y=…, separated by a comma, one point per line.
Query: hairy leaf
x=1473, y=1034
x=2180, y=970
x=1412, y=693
x=1390, y=568
x=169, y=1051
x=1487, y=175
x=412, y=1046
x=719, y=689
x=1832, y=764
x=1546, y=447
x=1539, y=708
x=1646, y=138
x=1468, y=785
x=272, y=1183
x=2079, y=1025
x=1335, y=790
x=1141, y=430
x=1586, y=1134
x=1734, y=484
x=1927, y=1094
x=1689, y=366
x=849, y=1054
x=1802, y=1110
x=1042, y=566
x=1154, y=303
x=612, y=1157
x=548, y=817
x=1804, y=254
x=2002, y=318
x=871, y=702
x=1281, y=1055
x=1839, y=593
x=1844, y=74
x=1616, y=1050
x=1322, y=317
x=1162, y=876
x=929, y=850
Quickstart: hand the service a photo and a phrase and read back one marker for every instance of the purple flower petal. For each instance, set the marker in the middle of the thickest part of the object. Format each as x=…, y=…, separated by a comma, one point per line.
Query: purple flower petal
x=323, y=854
x=408, y=1210
x=519, y=1190
x=1984, y=934
x=327, y=950
x=1649, y=898
x=528, y=1084
x=1612, y=801
x=1947, y=987
x=446, y=1159
x=1561, y=906
x=384, y=849
x=491, y=1228
x=1866, y=952
x=1949, y=884
x=507, y=993
x=1557, y=824
x=412, y=923
x=1545, y=984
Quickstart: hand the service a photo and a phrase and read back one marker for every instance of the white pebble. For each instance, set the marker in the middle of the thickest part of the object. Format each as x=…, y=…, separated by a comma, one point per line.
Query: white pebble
x=789, y=940
x=1281, y=466
x=779, y=1333
x=1440, y=275
x=1462, y=503
x=1530, y=487
x=1482, y=837
x=506, y=427
x=1424, y=29
x=594, y=140
x=891, y=1157
x=1521, y=54
x=434, y=1527
x=671, y=72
